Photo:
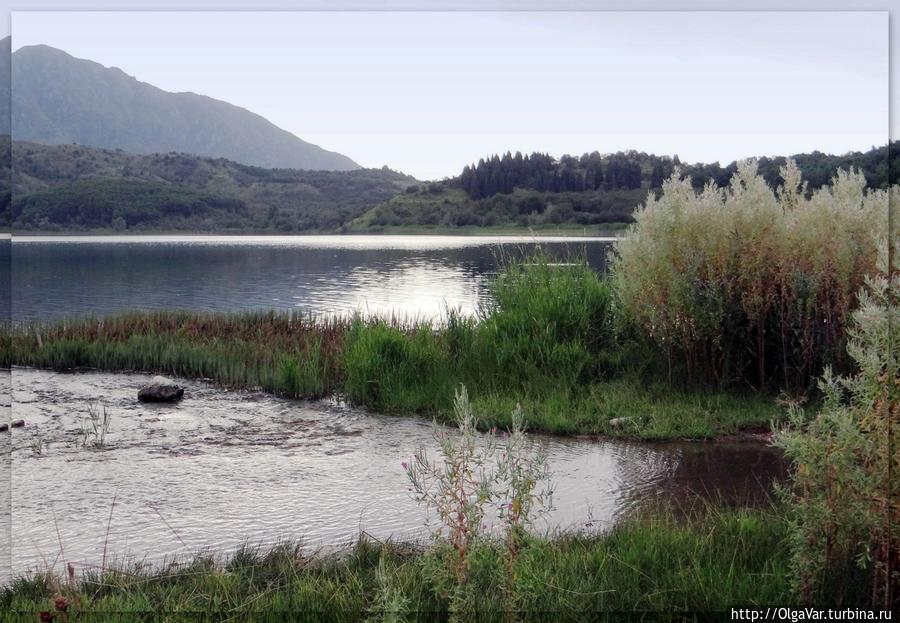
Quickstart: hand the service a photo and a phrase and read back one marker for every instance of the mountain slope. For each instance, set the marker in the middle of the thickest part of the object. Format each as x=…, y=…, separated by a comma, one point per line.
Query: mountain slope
x=79, y=188
x=59, y=99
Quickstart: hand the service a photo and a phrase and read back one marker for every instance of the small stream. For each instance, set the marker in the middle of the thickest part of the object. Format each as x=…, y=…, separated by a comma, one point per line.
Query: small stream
x=224, y=468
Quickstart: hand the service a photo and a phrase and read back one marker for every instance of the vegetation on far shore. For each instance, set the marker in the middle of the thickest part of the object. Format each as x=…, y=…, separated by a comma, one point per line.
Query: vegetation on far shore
x=77, y=188
x=74, y=188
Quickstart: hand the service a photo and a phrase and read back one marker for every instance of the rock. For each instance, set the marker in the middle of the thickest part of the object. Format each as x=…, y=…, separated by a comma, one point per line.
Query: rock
x=161, y=389
x=619, y=421
x=14, y=424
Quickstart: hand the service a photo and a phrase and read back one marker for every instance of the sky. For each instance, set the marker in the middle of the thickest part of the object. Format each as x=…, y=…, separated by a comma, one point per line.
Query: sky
x=428, y=92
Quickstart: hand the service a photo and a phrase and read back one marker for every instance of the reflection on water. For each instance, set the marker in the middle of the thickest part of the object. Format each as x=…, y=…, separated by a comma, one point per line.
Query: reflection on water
x=223, y=468
x=413, y=276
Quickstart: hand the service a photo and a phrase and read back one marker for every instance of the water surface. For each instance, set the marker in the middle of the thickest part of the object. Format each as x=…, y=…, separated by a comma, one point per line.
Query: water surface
x=224, y=468
x=414, y=276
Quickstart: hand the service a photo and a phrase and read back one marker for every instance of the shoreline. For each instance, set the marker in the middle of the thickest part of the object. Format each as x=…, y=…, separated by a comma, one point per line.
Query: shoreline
x=691, y=555
x=751, y=433
x=474, y=232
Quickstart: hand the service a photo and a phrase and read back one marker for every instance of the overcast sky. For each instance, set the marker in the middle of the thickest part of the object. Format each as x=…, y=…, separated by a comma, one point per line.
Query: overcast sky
x=428, y=92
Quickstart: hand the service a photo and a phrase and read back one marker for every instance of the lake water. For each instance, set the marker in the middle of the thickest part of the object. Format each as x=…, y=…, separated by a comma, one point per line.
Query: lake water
x=409, y=275
x=224, y=468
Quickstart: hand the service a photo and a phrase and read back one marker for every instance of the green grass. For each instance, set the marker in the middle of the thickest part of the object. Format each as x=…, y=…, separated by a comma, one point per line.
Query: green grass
x=709, y=561
x=548, y=339
x=656, y=412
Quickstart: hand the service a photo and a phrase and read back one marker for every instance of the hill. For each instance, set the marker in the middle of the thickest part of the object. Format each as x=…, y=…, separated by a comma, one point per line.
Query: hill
x=59, y=99
x=78, y=188
x=537, y=190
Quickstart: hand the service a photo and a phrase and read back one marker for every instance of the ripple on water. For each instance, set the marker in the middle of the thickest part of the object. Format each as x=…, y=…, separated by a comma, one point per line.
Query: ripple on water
x=224, y=468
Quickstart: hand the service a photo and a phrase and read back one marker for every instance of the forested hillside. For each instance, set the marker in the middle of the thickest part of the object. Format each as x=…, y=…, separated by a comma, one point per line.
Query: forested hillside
x=593, y=189
x=72, y=187
x=77, y=188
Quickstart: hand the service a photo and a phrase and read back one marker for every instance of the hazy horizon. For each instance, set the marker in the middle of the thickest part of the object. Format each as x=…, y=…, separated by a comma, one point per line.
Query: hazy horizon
x=427, y=93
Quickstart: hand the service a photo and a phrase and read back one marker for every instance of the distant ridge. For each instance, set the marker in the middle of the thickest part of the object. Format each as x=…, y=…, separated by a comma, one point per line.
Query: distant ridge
x=79, y=188
x=59, y=99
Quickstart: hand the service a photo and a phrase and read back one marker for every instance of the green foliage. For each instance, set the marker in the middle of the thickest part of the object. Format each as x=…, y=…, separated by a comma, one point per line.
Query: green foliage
x=843, y=498
x=549, y=339
x=74, y=187
x=745, y=284
x=634, y=170
x=221, y=195
x=451, y=208
x=288, y=354
x=397, y=370
x=100, y=202
x=707, y=562
x=545, y=326
x=304, y=376
x=545, y=331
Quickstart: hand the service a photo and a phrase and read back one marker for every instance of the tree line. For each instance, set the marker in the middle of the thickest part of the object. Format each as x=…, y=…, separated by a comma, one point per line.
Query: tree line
x=632, y=169
x=541, y=172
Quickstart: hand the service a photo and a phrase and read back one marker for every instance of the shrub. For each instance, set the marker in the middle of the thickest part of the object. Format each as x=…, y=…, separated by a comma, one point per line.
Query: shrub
x=843, y=499
x=747, y=284
x=472, y=476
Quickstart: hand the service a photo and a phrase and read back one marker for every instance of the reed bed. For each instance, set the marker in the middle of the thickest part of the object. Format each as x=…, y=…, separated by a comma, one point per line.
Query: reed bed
x=547, y=339
x=750, y=285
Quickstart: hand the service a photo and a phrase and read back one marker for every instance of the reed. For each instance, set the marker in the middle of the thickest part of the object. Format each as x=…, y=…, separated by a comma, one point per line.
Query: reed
x=750, y=284
x=548, y=337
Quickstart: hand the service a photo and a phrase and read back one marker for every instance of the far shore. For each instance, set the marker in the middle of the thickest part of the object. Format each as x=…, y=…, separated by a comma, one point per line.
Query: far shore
x=607, y=230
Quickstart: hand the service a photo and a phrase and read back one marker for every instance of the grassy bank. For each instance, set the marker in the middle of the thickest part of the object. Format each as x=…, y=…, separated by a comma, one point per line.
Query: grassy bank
x=605, y=229
x=708, y=562
x=548, y=340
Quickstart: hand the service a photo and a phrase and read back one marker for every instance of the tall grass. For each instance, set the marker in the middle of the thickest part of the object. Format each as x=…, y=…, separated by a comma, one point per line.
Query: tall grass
x=749, y=285
x=396, y=370
x=546, y=325
x=285, y=353
x=545, y=331
x=548, y=338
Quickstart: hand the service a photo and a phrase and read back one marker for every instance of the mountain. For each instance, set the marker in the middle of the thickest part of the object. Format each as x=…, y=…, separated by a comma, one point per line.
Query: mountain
x=5, y=74
x=79, y=188
x=58, y=99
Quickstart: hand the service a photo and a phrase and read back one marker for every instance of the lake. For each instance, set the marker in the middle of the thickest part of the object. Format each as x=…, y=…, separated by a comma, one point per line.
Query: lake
x=224, y=468
x=414, y=276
